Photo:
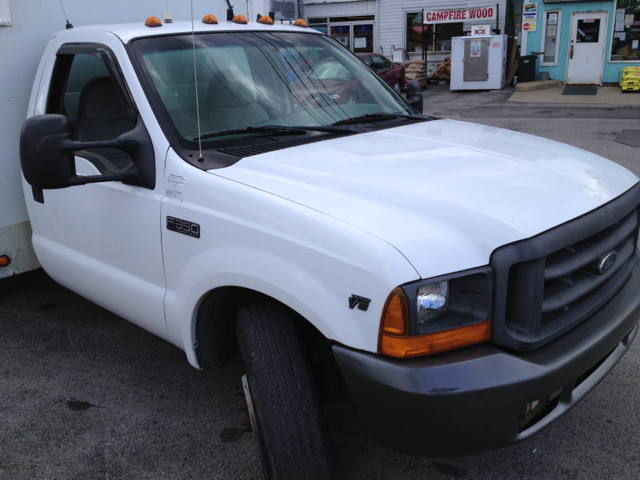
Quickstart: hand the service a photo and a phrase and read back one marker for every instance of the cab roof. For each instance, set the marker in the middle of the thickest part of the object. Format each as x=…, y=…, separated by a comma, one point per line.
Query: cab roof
x=129, y=31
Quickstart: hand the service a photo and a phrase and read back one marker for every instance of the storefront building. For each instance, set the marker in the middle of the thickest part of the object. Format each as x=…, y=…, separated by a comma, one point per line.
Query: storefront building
x=352, y=23
x=582, y=42
x=396, y=28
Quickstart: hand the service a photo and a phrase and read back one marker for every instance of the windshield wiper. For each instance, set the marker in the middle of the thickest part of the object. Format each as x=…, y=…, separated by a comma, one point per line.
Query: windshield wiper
x=377, y=117
x=274, y=130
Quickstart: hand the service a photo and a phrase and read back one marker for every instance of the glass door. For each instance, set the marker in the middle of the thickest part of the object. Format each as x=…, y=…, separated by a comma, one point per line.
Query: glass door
x=363, y=37
x=342, y=33
x=356, y=35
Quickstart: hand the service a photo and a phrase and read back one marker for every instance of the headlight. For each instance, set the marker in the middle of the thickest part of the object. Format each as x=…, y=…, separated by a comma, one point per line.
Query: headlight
x=436, y=315
x=433, y=300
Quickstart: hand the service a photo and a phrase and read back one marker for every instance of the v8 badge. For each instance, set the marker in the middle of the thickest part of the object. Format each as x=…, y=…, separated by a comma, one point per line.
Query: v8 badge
x=361, y=302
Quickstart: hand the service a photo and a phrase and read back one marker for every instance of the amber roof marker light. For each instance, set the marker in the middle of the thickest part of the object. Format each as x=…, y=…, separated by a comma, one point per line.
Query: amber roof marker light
x=210, y=20
x=266, y=20
x=5, y=260
x=153, y=22
x=239, y=19
x=300, y=23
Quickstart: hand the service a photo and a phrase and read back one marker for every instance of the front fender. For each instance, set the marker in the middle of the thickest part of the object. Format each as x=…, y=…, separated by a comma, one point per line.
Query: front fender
x=252, y=239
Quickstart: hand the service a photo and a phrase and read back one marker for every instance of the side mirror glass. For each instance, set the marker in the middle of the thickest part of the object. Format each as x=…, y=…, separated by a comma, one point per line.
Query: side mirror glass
x=46, y=154
x=414, y=95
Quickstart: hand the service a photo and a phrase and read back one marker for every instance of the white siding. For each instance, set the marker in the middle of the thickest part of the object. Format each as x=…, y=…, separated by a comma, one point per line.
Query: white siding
x=339, y=9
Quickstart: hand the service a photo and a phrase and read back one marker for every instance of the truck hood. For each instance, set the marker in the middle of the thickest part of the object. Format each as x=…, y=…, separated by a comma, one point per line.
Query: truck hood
x=444, y=193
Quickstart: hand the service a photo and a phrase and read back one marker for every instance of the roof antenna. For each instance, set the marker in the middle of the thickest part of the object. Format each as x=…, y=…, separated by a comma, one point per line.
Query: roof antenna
x=69, y=25
x=195, y=75
x=167, y=15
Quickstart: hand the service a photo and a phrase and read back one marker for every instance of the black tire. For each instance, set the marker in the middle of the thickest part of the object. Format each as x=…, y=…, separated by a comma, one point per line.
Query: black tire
x=286, y=409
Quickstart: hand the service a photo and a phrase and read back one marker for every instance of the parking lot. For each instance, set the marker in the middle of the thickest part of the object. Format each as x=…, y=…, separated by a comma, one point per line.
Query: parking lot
x=86, y=395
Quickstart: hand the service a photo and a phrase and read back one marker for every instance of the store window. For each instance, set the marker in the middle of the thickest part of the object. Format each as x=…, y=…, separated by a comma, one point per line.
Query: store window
x=626, y=36
x=438, y=36
x=588, y=31
x=359, y=18
x=319, y=24
x=551, y=37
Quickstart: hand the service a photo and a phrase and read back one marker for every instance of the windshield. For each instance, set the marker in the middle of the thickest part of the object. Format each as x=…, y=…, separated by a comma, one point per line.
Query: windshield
x=251, y=79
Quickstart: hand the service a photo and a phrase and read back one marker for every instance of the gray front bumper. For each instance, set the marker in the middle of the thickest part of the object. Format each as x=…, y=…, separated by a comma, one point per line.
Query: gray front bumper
x=473, y=399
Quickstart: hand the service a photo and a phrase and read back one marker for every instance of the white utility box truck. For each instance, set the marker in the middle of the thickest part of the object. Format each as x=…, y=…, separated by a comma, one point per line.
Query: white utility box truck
x=468, y=285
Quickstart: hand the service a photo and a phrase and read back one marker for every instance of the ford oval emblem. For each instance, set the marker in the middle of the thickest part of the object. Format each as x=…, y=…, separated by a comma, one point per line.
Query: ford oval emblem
x=607, y=262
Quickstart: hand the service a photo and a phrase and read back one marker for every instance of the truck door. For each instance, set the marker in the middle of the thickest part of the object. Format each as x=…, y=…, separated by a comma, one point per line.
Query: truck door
x=102, y=240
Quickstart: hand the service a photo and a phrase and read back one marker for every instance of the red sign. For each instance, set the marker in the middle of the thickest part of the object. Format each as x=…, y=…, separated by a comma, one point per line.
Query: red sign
x=420, y=29
x=450, y=16
x=526, y=27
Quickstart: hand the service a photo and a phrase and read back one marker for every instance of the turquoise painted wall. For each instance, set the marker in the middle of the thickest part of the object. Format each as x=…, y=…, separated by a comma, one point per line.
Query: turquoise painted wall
x=612, y=71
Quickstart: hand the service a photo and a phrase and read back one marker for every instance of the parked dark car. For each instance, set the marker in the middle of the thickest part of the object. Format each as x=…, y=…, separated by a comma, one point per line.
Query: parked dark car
x=392, y=73
x=329, y=83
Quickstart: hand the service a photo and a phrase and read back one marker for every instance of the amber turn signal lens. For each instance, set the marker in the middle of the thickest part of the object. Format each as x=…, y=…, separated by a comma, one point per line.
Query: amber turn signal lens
x=153, y=22
x=4, y=260
x=408, y=347
x=210, y=19
x=266, y=19
x=239, y=19
x=300, y=23
x=395, y=315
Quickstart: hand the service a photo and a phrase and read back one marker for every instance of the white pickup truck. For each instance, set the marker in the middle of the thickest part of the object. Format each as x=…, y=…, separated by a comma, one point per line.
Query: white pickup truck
x=469, y=285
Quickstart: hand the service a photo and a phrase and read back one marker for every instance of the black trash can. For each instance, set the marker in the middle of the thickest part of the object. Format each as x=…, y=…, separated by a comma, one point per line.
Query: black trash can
x=527, y=68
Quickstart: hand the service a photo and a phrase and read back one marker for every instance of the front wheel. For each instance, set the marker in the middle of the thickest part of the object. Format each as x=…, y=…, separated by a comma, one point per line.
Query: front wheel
x=282, y=395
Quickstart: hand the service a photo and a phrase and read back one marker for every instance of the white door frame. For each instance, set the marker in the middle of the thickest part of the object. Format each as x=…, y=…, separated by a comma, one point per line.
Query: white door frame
x=603, y=35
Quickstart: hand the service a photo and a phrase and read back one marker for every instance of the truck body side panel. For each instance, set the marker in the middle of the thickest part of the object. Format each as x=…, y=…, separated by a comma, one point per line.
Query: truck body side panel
x=22, y=43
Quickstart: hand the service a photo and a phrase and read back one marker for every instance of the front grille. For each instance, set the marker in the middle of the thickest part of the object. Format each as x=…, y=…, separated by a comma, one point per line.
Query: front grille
x=550, y=283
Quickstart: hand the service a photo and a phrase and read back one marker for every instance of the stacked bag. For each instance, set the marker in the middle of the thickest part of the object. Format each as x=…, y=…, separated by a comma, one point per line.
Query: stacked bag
x=416, y=70
x=630, y=79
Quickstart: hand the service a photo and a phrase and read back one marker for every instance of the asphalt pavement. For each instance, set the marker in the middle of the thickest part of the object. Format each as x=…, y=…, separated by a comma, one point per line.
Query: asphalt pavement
x=86, y=395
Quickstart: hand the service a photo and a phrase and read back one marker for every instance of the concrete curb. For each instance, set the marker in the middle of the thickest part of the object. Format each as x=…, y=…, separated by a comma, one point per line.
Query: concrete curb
x=537, y=85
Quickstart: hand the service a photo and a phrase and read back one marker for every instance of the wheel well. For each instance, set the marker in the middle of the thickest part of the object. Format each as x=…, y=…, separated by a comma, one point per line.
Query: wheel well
x=216, y=339
x=215, y=324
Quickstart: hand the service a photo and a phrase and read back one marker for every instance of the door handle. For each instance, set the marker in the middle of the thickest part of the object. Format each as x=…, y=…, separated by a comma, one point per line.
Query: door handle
x=571, y=56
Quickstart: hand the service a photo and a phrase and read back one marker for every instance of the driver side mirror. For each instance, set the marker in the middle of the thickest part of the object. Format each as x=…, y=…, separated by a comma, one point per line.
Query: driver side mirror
x=46, y=154
x=414, y=96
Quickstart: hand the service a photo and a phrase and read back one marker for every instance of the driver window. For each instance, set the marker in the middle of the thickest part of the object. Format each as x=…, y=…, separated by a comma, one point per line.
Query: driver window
x=92, y=104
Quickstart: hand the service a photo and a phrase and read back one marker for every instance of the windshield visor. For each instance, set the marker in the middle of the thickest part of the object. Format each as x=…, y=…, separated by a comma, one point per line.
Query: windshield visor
x=255, y=79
